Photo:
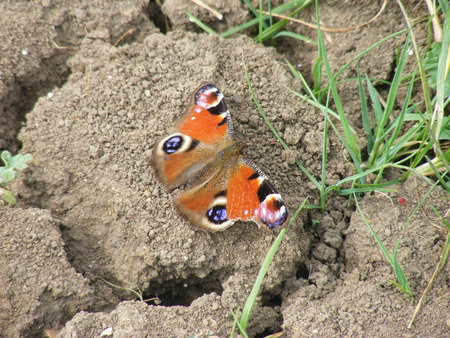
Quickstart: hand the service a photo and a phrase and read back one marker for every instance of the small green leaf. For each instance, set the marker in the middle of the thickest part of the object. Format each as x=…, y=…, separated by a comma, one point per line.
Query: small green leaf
x=9, y=176
x=8, y=196
x=19, y=161
x=6, y=157
x=13, y=164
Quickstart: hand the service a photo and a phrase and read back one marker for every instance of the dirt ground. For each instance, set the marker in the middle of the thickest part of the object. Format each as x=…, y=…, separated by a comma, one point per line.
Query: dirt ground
x=88, y=87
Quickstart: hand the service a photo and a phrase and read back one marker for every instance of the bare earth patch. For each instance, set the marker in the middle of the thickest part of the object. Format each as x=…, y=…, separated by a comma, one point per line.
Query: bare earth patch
x=90, y=209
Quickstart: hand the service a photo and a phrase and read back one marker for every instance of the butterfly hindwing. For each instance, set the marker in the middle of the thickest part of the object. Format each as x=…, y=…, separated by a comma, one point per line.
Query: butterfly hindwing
x=251, y=196
x=237, y=192
x=205, y=206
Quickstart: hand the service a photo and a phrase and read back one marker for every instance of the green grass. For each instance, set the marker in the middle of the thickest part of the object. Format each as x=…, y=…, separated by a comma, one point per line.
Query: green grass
x=402, y=130
x=267, y=28
x=392, y=141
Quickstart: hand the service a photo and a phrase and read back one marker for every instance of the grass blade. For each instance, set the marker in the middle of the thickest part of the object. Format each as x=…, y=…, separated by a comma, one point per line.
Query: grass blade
x=436, y=172
x=238, y=324
x=364, y=112
x=203, y=26
x=250, y=303
x=275, y=28
x=442, y=74
x=277, y=10
x=324, y=163
x=294, y=36
x=350, y=136
x=376, y=105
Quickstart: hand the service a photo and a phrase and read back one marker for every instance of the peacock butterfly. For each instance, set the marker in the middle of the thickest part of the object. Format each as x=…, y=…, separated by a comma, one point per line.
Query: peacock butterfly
x=221, y=186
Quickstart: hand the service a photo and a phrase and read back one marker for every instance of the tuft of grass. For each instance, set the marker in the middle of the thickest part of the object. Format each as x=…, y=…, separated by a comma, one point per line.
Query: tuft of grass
x=10, y=171
x=395, y=138
x=134, y=290
x=268, y=28
x=390, y=141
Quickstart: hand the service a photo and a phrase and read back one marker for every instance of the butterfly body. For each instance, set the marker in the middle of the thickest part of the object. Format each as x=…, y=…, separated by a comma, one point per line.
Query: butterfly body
x=221, y=185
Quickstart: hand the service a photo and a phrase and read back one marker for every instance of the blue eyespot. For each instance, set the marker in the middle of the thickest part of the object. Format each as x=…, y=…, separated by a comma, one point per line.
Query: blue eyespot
x=173, y=144
x=217, y=214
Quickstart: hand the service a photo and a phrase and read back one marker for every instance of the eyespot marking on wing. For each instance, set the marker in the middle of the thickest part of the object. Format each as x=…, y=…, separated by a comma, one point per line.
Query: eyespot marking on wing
x=176, y=143
x=210, y=98
x=272, y=211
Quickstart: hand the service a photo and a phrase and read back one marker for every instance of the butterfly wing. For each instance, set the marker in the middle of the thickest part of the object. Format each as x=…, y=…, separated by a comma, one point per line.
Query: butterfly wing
x=182, y=157
x=251, y=196
x=240, y=191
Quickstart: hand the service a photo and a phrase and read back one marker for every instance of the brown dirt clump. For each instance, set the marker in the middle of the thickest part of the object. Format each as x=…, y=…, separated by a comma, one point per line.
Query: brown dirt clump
x=90, y=209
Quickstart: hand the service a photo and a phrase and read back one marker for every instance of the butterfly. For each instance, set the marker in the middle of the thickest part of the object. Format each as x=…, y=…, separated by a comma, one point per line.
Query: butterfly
x=221, y=186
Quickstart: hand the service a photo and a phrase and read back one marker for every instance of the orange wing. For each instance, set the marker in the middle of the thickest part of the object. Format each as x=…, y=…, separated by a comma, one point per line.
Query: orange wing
x=251, y=196
x=208, y=120
x=179, y=158
x=240, y=192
